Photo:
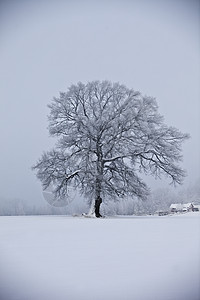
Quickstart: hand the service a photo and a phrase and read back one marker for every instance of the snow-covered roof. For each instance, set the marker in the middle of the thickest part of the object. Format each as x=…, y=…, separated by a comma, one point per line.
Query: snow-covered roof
x=179, y=206
x=187, y=205
x=176, y=206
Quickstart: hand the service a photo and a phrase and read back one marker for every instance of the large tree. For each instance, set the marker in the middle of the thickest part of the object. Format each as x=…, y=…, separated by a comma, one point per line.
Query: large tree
x=107, y=134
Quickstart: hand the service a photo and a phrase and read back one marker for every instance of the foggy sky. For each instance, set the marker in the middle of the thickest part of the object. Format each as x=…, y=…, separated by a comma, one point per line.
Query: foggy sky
x=45, y=46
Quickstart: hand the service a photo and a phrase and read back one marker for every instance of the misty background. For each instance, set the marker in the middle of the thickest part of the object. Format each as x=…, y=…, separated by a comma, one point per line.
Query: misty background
x=45, y=46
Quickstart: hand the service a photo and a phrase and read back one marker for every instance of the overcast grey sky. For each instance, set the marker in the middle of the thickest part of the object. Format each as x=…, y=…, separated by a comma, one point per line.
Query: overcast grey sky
x=45, y=46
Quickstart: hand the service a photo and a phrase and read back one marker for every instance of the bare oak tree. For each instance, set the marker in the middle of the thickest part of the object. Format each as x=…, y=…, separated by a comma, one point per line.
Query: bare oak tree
x=107, y=134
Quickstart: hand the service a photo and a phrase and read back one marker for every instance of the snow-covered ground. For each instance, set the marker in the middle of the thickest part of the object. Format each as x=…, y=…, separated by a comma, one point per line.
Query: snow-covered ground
x=71, y=258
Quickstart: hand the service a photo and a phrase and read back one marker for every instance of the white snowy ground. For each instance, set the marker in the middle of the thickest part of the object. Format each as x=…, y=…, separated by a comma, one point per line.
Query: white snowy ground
x=133, y=258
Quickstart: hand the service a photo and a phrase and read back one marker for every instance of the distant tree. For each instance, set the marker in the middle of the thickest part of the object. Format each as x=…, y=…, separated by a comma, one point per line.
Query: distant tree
x=107, y=134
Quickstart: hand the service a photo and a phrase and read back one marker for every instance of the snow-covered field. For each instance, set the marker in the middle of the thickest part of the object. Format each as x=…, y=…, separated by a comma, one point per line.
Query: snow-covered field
x=68, y=258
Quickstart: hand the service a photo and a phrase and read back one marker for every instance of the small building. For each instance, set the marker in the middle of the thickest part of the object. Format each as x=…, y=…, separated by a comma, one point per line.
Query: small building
x=176, y=207
x=163, y=213
x=196, y=207
x=188, y=207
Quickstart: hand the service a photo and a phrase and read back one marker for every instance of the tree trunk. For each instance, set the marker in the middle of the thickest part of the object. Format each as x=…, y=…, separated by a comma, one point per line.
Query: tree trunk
x=95, y=208
x=98, y=202
x=99, y=175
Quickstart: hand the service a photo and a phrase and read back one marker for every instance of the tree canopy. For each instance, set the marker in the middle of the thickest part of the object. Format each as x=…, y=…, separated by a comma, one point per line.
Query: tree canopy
x=107, y=135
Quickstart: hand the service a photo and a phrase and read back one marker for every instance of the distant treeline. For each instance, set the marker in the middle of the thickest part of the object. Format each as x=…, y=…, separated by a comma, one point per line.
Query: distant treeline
x=160, y=199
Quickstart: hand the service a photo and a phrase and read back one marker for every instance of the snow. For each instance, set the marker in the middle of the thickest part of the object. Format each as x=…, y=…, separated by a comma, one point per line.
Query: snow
x=60, y=257
x=177, y=206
